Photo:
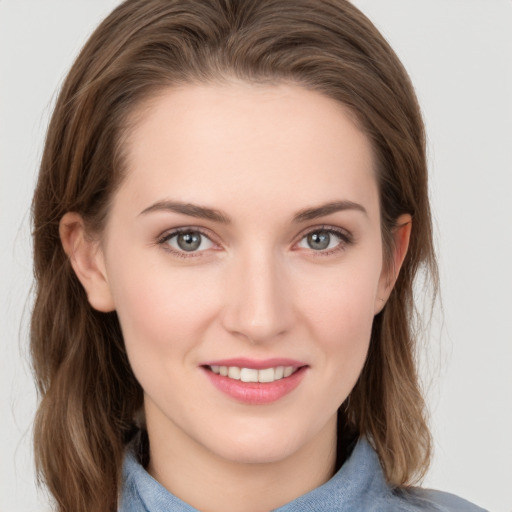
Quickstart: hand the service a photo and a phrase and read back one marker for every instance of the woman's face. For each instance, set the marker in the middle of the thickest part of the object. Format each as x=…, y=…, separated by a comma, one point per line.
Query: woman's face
x=245, y=240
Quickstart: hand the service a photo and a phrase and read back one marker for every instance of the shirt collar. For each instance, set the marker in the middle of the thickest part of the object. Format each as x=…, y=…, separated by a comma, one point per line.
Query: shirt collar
x=360, y=475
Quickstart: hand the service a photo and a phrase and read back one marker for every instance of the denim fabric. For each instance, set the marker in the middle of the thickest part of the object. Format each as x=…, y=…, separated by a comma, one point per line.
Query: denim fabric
x=359, y=486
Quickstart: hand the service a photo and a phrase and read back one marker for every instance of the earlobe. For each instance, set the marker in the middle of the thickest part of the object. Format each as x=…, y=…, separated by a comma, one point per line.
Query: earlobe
x=86, y=258
x=401, y=236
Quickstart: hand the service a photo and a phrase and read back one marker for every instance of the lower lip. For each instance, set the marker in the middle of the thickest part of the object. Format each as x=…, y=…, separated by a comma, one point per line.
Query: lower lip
x=256, y=393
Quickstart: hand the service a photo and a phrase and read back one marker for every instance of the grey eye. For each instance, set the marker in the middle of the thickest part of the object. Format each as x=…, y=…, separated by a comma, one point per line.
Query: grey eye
x=319, y=240
x=189, y=241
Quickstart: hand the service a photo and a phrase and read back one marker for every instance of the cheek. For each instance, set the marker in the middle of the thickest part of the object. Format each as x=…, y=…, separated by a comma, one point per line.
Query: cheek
x=162, y=317
x=159, y=308
x=343, y=329
x=339, y=315
x=341, y=303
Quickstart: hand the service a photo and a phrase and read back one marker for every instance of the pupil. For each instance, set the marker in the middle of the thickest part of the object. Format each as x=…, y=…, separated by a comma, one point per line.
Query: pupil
x=319, y=240
x=189, y=241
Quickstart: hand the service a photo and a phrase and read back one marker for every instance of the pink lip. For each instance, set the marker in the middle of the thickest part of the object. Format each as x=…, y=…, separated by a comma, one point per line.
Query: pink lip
x=256, y=393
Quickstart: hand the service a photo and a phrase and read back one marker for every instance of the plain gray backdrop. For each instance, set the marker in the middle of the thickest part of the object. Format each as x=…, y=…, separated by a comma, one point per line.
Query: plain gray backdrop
x=459, y=55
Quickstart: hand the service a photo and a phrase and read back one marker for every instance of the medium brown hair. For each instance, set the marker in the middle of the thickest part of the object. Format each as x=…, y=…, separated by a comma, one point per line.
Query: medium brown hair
x=89, y=395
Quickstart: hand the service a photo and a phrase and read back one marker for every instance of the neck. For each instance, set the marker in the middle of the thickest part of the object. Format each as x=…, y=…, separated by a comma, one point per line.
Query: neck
x=211, y=483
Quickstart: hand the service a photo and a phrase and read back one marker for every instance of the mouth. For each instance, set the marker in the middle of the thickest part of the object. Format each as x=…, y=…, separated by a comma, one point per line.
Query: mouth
x=263, y=375
x=255, y=382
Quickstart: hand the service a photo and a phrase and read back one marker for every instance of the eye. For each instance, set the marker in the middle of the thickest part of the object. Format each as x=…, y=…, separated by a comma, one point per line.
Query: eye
x=188, y=240
x=324, y=240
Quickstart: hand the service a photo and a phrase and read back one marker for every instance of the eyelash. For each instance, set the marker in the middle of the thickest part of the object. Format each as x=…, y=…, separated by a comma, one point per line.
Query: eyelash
x=346, y=239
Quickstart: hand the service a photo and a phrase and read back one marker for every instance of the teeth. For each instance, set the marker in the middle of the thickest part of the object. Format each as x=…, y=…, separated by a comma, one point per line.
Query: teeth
x=253, y=375
x=288, y=371
x=248, y=375
x=234, y=372
x=266, y=375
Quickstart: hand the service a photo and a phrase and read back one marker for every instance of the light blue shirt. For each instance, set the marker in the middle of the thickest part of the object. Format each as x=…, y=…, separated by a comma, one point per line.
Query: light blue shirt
x=359, y=486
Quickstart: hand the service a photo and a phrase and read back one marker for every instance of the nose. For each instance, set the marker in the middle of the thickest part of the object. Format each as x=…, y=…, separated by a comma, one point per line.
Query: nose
x=258, y=303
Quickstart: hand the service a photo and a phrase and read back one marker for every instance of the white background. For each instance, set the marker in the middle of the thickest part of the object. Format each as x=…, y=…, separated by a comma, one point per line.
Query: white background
x=459, y=55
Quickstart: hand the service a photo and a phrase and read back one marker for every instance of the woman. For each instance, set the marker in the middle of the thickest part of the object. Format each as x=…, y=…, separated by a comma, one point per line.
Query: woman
x=230, y=213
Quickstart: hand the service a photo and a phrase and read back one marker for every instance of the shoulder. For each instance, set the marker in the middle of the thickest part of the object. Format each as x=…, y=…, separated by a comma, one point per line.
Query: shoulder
x=360, y=486
x=411, y=499
x=440, y=501
x=418, y=500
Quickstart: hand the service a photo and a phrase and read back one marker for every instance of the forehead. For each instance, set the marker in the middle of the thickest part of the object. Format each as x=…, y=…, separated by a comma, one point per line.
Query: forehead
x=268, y=144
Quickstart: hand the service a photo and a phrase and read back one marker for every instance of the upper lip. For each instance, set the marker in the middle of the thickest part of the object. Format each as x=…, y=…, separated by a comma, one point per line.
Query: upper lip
x=256, y=364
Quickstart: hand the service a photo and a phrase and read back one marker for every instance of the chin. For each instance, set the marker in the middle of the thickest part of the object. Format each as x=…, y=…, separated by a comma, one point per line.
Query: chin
x=260, y=447
x=255, y=454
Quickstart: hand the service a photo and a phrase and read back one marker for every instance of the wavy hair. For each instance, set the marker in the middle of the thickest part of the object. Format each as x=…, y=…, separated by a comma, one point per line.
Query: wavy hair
x=89, y=396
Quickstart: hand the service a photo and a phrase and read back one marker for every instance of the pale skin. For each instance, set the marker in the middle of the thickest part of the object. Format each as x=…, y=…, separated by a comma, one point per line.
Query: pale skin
x=255, y=286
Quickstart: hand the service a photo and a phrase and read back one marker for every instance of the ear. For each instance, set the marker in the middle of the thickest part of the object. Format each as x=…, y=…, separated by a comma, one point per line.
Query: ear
x=86, y=258
x=389, y=275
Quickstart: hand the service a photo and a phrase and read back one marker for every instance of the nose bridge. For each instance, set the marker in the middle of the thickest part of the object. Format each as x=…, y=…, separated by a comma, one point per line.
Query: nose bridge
x=258, y=305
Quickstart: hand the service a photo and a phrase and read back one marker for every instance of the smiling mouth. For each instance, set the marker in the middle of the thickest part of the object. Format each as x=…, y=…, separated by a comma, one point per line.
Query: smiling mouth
x=263, y=375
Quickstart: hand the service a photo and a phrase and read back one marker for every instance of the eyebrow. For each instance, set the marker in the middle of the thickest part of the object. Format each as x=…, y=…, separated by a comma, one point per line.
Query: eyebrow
x=327, y=209
x=192, y=210
x=202, y=212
